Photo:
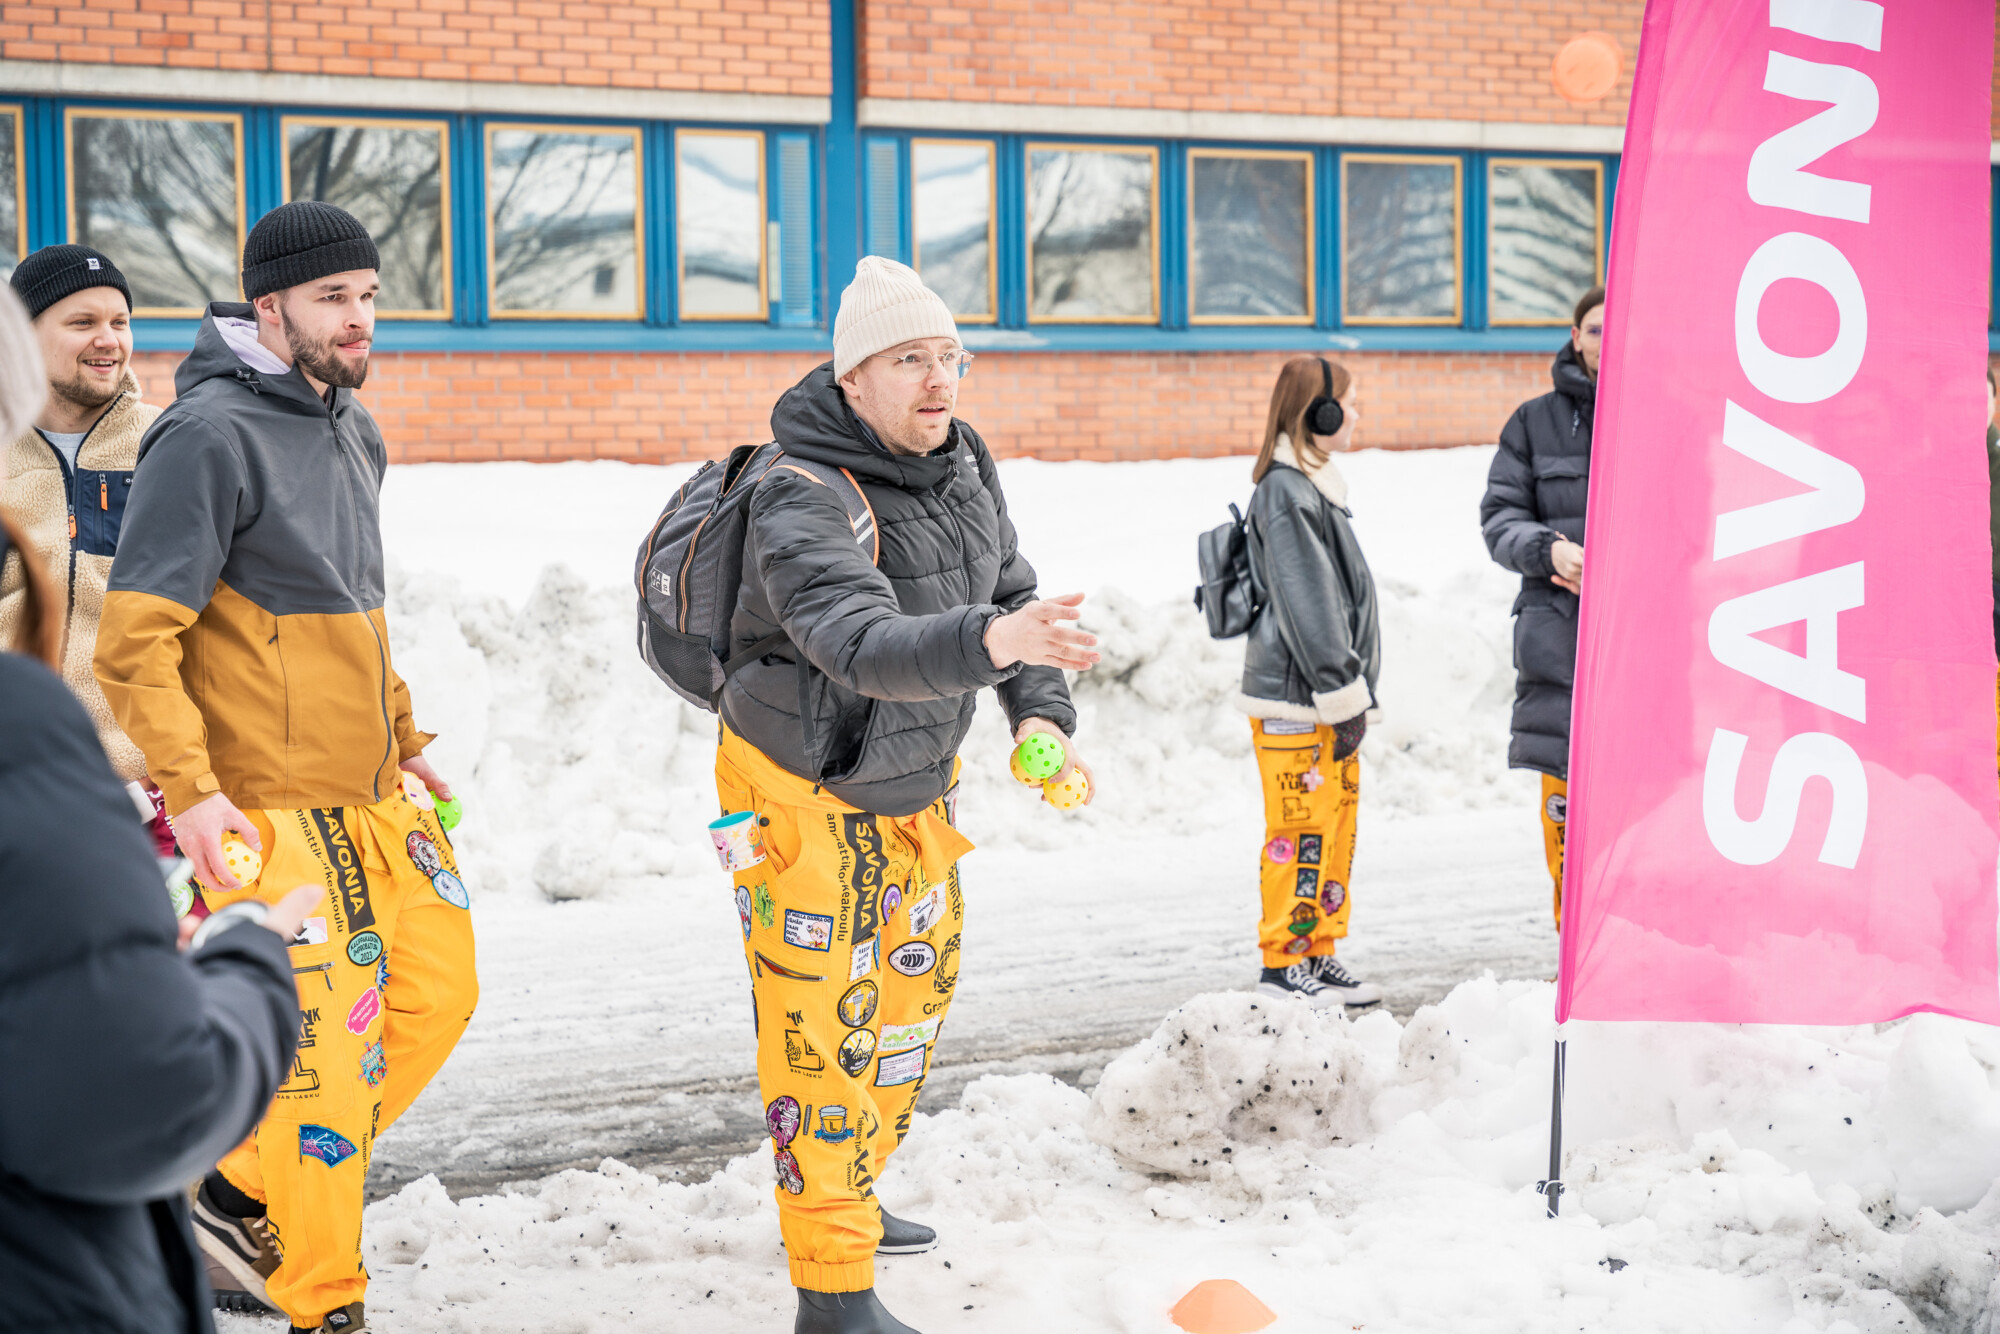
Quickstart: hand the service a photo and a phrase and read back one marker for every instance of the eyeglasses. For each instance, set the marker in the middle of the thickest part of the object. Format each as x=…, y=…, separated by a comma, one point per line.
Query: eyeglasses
x=918, y=365
x=1593, y=330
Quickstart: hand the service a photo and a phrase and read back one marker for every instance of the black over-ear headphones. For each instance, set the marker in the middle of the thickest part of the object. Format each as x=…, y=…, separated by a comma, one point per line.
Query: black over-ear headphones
x=1324, y=415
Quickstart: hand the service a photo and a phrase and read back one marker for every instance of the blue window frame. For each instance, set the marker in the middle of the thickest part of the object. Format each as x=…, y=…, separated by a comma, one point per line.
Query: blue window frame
x=639, y=311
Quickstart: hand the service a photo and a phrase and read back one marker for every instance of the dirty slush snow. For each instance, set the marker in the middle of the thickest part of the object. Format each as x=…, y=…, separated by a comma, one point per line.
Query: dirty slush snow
x=1354, y=1173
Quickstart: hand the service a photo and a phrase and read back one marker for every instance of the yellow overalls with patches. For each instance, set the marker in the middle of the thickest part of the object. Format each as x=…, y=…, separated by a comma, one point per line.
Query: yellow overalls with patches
x=1555, y=829
x=386, y=985
x=851, y=929
x=1311, y=801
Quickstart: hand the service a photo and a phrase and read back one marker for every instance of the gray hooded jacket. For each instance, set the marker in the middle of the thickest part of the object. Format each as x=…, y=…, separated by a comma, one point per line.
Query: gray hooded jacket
x=894, y=652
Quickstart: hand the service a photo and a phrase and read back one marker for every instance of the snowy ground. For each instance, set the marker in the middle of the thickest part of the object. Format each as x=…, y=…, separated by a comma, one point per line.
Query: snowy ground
x=1371, y=1174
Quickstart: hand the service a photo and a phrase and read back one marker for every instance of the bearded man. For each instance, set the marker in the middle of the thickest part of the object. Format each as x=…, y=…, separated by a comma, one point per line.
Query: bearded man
x=68, y=476
x=244, y=649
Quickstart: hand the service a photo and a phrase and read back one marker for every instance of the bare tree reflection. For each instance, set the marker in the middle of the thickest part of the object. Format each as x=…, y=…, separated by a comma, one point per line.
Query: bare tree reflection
x=391, y=179
x=10, y=199
x=1249, y=244
x=159, y=197
x=561, y=207
x=1401, y=240
x=1543, y=238
x=1090, y=226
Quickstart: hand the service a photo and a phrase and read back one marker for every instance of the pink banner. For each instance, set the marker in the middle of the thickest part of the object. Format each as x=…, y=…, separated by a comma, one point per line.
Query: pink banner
x=1783, y=797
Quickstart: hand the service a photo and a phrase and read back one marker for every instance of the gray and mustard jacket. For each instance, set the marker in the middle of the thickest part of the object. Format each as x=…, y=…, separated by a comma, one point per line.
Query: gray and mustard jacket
x=243, y=645
x=70, y=518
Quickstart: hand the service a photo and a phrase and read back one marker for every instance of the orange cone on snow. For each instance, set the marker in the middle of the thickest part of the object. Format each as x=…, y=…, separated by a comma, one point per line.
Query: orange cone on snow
x=1221, y=1306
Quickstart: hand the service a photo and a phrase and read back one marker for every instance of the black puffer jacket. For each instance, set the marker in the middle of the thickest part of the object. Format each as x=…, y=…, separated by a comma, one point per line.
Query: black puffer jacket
x=128, y=1068
x=1315, y=650
x=895, y=652
x=1535, y=493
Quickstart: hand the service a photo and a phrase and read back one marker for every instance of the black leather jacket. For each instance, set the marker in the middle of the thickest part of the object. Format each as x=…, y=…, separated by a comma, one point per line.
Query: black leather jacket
x=1315, y=650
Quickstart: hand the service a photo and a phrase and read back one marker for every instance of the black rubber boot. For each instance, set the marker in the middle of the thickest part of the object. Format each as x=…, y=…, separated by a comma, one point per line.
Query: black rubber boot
x=845, y=1313
x=902, y=1237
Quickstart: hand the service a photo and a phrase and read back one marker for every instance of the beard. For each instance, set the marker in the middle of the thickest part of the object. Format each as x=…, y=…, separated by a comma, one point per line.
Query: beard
x=85, y=392
x=322, y=360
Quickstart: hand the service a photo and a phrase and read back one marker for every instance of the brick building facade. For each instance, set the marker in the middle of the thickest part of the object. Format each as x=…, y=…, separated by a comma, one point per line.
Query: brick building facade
x=618, y=230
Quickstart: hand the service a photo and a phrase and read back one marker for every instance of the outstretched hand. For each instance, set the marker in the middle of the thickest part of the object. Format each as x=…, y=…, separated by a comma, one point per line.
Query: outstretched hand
x=1036, y=635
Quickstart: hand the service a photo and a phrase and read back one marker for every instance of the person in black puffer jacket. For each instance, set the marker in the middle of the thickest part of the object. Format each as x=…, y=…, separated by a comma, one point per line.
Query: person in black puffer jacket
x=130, y=1066
x=1309, y=670
x=1532, y=517
x=843, y=744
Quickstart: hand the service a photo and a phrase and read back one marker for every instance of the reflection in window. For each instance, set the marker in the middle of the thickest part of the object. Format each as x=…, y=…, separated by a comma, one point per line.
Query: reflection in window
x=1542, y=229
x=1252, y=240
x=719, y=191
x=563, y=222
x=159, y=195
x=1090, y=234
x=391, y=178
x=12, y=242
x=953, y=206
x=1399, y=240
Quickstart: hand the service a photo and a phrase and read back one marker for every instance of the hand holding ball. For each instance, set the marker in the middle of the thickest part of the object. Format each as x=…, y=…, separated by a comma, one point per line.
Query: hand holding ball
x=1037, y=759
x=1069, y=793
x=241, y=861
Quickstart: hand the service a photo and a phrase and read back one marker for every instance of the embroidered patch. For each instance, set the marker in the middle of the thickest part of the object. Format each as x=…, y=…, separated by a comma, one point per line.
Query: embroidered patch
x=892, y=899
x=808, y=930
x=913, y=958
x=1308, y=884
x=766, y=906
x=1298, y=945
x=1279, y=850
x=364, y=949
x=1309, y=850
x=902, y=1037
x=1288, y=727
x=743, y=909
x=367, y=1009
x=833, y=1127
x=857, y=1007
x=781, y=1118
x=329, y=1146
x=1312, y=779
x=424, y=852
x=373, y=1067
x=864, y=961
x=1332, y=896
x=856, y=1052
x=903, y=1068
x=924, y=912
x=789, y=1176
x=451, y=889
x=1557, y=808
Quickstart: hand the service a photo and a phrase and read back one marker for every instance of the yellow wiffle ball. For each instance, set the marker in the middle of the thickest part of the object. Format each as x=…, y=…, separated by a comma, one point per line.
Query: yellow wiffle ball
x=242, y=860
x=1066, y=794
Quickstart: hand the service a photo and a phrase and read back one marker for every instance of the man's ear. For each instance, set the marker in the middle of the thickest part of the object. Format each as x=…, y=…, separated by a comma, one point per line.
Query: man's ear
x=266, y=307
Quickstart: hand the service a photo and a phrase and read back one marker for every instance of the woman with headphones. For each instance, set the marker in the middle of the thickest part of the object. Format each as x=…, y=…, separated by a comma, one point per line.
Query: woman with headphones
x=1309, y=670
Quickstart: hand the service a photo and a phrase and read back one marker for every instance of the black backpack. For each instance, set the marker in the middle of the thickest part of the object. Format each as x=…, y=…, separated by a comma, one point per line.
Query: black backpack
x=691, y=565
x=1228, y=594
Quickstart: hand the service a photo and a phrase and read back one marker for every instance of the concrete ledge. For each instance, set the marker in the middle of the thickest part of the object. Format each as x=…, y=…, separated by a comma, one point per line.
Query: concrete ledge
x=1008, y=117
x=37, y=78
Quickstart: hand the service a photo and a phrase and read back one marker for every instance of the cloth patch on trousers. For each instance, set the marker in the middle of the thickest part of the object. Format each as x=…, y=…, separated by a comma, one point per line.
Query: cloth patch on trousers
x=1304, y=918
x=329, y=1146
x=833, y=1127
x=1557, y=808
x=1279, y=850
x=1298, y=945
x=367, y=1009
x=743, y=909
x=913, y=958
x=364, y=949
x=808, y=930
x=1308, y=886
x=924, y=912
x=892, y=899
x=902, y=1037
x=451, y=889
x=1332, y=896
x=856, y=1052
x=766, y=906
x=424, y=852
x=902, y=1068
x=373, y=1067
x=1288, y=727
x=864, y=961
x=857, y=1006
x=312, y=931
x=789, y=1176
x=781, y=1118
x=1309, y=850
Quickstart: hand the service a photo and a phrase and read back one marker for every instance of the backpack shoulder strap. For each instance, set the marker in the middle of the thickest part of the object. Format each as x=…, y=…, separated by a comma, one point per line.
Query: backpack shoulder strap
x=860, y=514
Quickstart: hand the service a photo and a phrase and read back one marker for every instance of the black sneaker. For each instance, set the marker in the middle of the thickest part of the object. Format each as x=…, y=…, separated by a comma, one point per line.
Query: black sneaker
x=237, y=1252
x=902, y=1237
x=1333, y=976
x=1298, y=980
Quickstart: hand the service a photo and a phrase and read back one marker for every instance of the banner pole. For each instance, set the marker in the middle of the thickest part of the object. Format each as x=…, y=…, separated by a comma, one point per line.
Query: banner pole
x=1552, y=1188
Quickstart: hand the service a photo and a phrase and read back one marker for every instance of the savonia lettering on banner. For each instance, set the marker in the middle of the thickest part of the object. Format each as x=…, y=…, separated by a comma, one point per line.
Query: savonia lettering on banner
x=1777, y=178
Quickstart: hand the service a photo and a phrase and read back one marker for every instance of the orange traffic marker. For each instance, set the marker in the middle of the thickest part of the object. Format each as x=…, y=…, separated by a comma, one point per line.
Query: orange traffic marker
x=1221, y=1306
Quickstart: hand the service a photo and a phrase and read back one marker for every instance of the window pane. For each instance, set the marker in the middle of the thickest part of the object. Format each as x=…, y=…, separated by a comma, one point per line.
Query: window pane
x=10, y=194
x=720, y=193
x=1251, y=242
x=1090, y=235
x=391, y=178
x=954, y=211
x=563, y=213
x=159, y=197
x=1541, y=240
x=1400, y=241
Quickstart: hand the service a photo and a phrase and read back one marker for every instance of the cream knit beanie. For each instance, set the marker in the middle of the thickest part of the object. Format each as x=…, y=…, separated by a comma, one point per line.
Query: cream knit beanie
x=886, y=304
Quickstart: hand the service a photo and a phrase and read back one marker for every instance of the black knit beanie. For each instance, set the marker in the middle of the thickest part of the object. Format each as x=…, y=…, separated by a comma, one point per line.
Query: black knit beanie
x=57, y=271
x=303, y=241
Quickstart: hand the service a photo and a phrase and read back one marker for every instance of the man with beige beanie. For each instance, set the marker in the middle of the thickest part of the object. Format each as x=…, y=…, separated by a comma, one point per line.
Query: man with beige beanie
x=844, y=743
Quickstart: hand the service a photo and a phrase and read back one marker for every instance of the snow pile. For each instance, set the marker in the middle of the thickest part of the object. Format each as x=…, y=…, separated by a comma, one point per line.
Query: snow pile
x=1783, y=1180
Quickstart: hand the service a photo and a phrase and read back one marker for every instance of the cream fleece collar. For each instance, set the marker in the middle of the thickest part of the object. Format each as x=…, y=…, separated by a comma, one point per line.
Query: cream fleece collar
x=1327, y=477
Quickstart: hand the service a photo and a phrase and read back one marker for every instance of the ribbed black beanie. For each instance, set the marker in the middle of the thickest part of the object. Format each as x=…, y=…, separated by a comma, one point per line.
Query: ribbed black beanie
x=57, y=271
x=302, y=241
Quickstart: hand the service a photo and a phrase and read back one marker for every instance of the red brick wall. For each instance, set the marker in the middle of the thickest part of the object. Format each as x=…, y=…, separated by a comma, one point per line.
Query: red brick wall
x=737, y=46
x=1472, y=60
x=1109, y=405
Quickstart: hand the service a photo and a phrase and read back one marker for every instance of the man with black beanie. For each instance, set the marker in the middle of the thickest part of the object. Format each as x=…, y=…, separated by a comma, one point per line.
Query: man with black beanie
x=245, y=651
x=69, y=473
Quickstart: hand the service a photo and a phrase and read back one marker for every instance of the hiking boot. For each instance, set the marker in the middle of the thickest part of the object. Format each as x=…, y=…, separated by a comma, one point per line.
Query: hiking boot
x=902, y=1237
x=845, y=1313
x=1334, y=977
x=238, y=1253
x=349, y=1319
x=1299, y=981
